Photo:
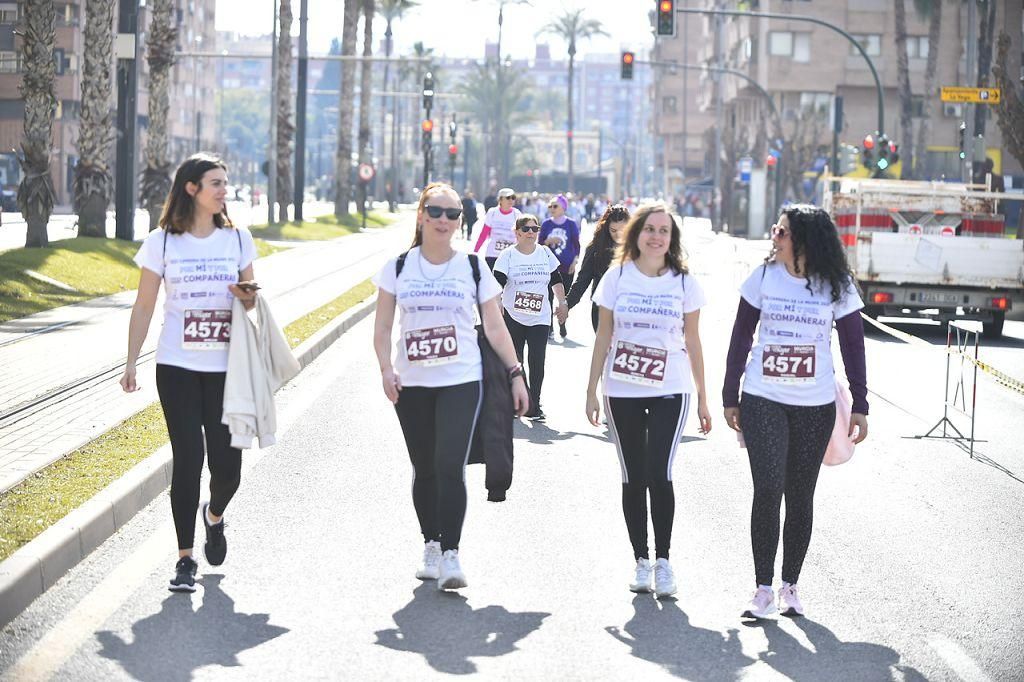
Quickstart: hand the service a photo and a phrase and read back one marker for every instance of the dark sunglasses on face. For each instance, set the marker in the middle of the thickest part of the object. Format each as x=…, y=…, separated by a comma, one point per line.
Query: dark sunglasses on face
x=511, y=198
x=436, y=211
x=530, y=228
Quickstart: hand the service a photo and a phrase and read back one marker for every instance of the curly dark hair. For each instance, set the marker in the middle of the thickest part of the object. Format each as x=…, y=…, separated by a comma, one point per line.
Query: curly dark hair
x=603, y=244
x=629, y=249
x=815, y=238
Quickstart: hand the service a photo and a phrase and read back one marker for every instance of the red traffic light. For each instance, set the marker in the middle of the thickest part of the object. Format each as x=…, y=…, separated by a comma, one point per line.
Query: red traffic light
x=665, y=5
x=453, y=149
x=770, y=161
x=427, y=125
x=627, y=57
x=892, y=147
x=869, y=142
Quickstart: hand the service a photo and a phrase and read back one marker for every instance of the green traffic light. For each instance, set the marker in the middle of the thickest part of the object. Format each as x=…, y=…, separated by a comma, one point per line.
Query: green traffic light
x=963, y=155
x=883, y=164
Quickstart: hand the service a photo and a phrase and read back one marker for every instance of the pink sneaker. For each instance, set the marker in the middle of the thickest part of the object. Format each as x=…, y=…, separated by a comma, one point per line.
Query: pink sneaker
x=789, y=601
x=761, y=605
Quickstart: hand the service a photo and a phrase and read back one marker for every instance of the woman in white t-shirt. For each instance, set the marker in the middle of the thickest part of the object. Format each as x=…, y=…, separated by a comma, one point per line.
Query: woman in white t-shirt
x=648, y=359
x=499, y=226
x=200, y=258
x=435, y=381
x=787, y=410
x=527, y=271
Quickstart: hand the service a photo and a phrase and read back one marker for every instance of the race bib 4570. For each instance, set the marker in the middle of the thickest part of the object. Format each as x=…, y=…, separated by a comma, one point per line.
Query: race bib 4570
x=432, y=346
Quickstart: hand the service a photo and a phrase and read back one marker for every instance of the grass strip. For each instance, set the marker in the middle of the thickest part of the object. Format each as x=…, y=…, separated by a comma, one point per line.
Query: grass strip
x=93, y=266
x=47, y=496
x=323, y=228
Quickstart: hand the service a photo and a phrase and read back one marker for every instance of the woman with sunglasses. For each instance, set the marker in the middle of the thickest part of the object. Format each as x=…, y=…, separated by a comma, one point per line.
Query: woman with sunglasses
x=435, y=381
x=527, y=272
x=499, y=226
x=647, y=346
x=561, y=234
x=598, y=257
x=787, y=411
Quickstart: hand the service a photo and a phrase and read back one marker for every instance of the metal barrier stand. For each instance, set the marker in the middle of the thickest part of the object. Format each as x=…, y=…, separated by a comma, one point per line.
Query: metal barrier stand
x=958, y=402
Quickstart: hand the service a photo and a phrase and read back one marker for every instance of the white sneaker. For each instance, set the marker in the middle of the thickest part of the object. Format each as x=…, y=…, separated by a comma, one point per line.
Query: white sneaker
x=431, y=561
x=450, y=575
x=789, y=601
x=642, y=578
x=761, y=605
x=664, y=579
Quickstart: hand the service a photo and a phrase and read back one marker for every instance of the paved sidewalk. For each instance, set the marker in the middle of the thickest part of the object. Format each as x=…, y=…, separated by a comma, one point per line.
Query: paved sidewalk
x=59, y=386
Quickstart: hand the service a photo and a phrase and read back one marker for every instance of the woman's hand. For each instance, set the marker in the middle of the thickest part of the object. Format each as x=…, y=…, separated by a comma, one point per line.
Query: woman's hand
x=392, y=384
x=127, y=380
x=562, y=312
x=520, y=396
x=860, y=423
x=732, y=418
x=704, y=415
x=593, y=408
x=248, y=298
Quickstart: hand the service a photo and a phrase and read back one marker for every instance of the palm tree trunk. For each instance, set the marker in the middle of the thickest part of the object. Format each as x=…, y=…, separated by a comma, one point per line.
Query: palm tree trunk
x=93, y=182
x=156, y=177
x=924, y=130
x=906, y=96
x=985, y=39
x=383, y=114
x=35, y=193
x=366, y=82
x=283, y=109
x=343, y=155
x=572, y=61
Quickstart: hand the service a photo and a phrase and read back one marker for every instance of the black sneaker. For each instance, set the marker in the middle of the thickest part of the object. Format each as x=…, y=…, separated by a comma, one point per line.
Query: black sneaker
x=536, y=414
x=216, y=547
x=561, y=330
x=184, y=579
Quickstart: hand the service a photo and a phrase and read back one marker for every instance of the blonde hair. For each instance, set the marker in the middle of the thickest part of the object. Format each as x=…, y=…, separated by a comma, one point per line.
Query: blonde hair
x=429, y=191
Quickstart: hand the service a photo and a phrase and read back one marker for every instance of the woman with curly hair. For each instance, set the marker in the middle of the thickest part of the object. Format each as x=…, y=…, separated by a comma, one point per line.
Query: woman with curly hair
x=787, y=411
x=649, y=362
x=607, y=235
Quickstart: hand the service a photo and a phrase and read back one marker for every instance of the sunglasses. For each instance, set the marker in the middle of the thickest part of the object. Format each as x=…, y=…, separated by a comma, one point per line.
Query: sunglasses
x=779, y=231
x=529, y=228
x=450, y=213
x=554, y=205
x=512, y=198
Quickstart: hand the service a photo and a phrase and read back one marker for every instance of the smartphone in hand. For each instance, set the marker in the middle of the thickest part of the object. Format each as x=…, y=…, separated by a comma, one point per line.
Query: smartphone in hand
x=248, y=286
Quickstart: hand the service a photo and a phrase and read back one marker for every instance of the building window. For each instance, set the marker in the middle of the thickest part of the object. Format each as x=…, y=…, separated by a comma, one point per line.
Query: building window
x=780, y=43
x=802, y=47
x=817, y=102
x=8, y=62
x=872, y=44
x=917, y=47
x=8, y=12
x=668, y=105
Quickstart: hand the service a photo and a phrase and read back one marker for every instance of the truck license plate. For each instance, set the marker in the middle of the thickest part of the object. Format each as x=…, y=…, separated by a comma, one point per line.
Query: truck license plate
x=937, y=297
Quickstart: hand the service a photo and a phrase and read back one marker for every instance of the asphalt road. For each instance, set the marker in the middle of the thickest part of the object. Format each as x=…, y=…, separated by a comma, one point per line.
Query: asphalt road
x=913, y=573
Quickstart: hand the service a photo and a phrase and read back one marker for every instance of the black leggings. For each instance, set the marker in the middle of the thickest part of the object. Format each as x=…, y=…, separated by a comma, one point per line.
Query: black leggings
x=785, y=445
x=193, y=403
x=646, y=432
x=537, y=338
x=438, y=424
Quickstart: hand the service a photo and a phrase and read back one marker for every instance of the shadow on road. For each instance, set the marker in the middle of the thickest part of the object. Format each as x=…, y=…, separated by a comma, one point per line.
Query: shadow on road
x=830, y=658
x=445, y=629
x=660, y=632
x=170, y=645
x=542, y=434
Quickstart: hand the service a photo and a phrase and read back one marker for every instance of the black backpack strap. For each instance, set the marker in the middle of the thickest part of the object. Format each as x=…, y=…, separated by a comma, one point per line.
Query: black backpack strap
x=399, y=264
x=474, y=265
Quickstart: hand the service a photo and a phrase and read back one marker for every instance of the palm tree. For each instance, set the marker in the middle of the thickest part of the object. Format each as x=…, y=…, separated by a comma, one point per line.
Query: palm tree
x=35, y=193
x=933, y=10
x=572, y=27
x=906, y=95
x=390, y=10
x=366, y=82
x=93, y=182
x=343, y=154
x=160, y=44
x=283, y=108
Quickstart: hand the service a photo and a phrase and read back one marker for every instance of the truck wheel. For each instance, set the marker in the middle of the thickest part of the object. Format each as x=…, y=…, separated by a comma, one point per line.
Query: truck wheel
x=994, y=329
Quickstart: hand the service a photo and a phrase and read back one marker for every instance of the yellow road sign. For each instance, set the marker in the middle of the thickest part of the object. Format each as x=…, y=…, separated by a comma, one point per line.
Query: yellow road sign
x=973, y=95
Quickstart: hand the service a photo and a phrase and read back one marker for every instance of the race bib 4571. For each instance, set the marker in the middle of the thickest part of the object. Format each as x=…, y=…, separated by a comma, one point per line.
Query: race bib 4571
x=787, y=364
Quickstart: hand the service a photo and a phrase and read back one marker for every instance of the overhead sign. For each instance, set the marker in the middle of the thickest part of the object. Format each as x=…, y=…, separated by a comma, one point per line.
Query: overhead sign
x=971, y=95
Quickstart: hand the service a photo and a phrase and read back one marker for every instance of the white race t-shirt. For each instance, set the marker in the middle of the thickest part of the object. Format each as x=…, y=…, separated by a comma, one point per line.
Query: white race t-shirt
x=791, y=362
x=648, y=351
x=526, y=293
x=437, y=342
x=503, y=230
x=197, y=305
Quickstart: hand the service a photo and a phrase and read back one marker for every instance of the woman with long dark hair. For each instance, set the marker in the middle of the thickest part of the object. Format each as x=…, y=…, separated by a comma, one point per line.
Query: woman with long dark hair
x=200, y=258
x=648, y=360
x=607, y=235
x=787, y=411
x=435, y=381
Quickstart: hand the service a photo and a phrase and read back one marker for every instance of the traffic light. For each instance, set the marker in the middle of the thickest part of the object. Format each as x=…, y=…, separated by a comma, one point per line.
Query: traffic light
x=428, y=133
x=894, y=153
x=666, y=17
x=428, y=91
x=961, y=131
x=627, y=66
x=867, y=152
x=882, y=160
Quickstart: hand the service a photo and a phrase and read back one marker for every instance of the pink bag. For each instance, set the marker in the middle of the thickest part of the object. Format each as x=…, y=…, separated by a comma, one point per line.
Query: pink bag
x=840, y=445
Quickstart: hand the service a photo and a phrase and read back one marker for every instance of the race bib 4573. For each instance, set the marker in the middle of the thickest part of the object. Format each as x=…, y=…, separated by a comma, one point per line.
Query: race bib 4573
x=206, y=330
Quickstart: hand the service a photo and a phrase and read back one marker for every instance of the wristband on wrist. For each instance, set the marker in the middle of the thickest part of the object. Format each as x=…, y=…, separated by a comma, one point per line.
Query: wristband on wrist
x=514, y=371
